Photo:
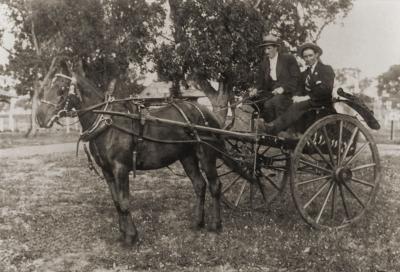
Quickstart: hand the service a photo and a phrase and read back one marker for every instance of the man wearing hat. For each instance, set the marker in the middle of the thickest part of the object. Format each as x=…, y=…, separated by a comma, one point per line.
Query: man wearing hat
x=277, y=80
x=315, y=89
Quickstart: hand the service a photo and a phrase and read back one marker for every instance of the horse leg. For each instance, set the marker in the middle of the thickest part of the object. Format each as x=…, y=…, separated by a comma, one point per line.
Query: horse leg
x=191, y=166
x=113, y=190
x=121, y=174
x=208, y=162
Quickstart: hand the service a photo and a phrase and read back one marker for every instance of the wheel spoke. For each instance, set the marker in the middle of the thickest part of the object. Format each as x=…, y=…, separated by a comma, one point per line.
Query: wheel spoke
x=357, y=153
x=344, y=202
x=261, y=186
x=363, y=166
x=320, y=153
x=325, y=202
x=340, y=141
x=328, y=141
x=350, y=142
x=271, y=181
x=333, y=201
x=360, y=181
x=321, y=188
x=313, y=180
x=231, y=184
x=314, y=166
x=241, y=193
x=227, y=173
x=354, y=195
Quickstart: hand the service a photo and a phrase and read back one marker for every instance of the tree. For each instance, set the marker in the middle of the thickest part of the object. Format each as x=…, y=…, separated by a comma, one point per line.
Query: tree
x=216, y=40
x=389, y=81
x=103, y=37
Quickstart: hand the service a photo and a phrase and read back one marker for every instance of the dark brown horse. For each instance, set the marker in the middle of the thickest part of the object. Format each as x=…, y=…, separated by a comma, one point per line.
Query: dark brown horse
x=113, y=146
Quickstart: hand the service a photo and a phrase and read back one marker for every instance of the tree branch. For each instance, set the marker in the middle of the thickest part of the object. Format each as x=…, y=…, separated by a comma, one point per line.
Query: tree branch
x=34, y=39
x=51, y=70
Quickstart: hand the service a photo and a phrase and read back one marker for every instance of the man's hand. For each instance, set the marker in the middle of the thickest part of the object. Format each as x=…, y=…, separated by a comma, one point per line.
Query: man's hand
x=297, y=99
x=278, y=90
x=253, y=92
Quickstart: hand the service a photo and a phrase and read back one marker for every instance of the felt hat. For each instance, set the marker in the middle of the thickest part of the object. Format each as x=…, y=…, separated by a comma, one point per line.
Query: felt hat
x=309, y=45
x=270, y=40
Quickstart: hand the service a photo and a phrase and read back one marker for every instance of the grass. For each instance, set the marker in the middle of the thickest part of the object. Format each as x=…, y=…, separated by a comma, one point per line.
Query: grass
x=57, y=216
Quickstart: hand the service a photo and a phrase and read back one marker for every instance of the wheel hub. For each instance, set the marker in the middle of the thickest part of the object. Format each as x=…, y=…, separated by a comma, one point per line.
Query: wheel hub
x=343, y=174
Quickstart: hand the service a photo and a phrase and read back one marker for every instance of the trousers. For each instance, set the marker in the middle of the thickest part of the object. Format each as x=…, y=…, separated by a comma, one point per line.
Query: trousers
x=293, y=114
x=275, y=107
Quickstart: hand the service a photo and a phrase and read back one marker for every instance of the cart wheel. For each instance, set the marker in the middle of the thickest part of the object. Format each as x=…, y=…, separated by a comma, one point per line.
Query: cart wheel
x=335, y=172
x=240, y=189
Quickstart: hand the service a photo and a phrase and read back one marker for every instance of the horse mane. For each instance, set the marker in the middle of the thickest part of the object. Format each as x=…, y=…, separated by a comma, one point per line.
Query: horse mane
x=88, y=85
x=120, y=91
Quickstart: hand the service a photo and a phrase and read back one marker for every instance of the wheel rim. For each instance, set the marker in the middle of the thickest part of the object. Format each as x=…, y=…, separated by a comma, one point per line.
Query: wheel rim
x=268, y=183
x=335, y=172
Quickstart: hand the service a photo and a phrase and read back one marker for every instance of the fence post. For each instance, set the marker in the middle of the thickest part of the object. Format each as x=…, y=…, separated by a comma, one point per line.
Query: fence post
x=11, y=120
x=391, y=130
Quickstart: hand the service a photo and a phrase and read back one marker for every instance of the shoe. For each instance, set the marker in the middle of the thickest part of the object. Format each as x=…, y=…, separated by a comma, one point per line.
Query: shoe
x=290, y=135
x=270, y=128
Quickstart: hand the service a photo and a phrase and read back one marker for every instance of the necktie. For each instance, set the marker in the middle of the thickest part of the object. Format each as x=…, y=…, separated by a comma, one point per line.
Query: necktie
x=308, y=79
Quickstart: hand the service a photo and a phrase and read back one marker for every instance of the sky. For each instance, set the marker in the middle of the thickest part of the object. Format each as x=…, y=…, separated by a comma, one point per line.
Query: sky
x=368, y=38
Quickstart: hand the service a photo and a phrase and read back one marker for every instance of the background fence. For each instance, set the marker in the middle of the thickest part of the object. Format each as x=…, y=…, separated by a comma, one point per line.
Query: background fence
x=20, y=122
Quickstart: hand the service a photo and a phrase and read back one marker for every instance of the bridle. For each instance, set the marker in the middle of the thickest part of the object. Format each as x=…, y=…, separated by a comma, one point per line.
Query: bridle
x=72, y=92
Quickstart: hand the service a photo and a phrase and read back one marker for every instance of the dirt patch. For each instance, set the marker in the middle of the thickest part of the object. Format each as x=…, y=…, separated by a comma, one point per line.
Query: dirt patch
x=57, y=216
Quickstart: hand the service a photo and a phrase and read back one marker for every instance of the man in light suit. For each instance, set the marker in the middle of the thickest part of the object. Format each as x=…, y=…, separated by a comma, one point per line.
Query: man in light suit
x=277, y=80
x=315, y=89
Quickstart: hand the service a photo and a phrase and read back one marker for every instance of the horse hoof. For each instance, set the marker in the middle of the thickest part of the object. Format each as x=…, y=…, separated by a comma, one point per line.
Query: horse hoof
x=129, y=241
x=215, y=227
x=197, y=226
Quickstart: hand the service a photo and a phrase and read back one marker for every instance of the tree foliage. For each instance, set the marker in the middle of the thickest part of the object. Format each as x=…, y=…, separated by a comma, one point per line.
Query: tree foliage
x=296, y=21
x=104, y=35
x=217, y=39
x=390, y=81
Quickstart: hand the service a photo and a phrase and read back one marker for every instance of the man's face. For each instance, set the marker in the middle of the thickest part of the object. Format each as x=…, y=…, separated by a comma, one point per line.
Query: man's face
x=310, y=57
x=271, y=51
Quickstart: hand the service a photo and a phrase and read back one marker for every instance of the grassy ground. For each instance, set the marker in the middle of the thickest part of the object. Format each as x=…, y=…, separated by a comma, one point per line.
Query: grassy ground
x=8, y=139
x=57, y=216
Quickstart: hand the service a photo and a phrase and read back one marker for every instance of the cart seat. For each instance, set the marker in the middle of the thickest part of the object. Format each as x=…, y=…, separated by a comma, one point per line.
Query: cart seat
x=311, y=116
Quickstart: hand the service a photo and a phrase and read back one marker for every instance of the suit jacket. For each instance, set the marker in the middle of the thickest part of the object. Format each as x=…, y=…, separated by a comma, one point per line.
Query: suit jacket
x=321, y=84
x=287, y=73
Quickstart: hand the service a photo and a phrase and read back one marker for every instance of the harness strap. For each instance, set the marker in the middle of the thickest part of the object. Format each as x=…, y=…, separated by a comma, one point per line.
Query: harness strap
x=90, y=161
x=139, y=138
x=99, y=125
x=200, y=111
x=193, y=131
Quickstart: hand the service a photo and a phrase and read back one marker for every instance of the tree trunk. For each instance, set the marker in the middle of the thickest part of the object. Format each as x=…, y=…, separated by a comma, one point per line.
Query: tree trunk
x=33, y=126
x=219, y=98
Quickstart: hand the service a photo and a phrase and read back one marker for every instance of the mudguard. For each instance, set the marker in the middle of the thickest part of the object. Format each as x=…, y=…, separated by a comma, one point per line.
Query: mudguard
x=356, y=104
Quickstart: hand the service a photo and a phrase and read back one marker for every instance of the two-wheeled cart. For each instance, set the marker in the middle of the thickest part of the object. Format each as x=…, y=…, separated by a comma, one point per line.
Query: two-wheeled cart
x=333, y=168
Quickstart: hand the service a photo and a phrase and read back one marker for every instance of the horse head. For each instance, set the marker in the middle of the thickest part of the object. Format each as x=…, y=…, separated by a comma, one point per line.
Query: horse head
x=60, y=99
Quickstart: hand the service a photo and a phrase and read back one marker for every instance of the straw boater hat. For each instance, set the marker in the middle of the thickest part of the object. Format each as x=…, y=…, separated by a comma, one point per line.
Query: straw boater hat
x=312, y=46
x=270, y=40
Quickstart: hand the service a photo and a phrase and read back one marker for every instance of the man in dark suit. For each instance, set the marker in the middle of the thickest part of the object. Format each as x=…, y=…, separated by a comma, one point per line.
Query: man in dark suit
x=276, y=82
x=315, y=89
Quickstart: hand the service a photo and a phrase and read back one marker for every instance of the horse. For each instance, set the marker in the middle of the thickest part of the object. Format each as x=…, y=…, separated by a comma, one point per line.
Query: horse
x=130, y=144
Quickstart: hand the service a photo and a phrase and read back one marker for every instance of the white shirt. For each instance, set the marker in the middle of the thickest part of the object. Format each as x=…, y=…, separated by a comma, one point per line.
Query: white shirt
x=313, y=67
x=272, y=67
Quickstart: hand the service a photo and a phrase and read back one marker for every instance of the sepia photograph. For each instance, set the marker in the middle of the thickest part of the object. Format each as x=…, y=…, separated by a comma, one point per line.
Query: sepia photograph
x=200, y=135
